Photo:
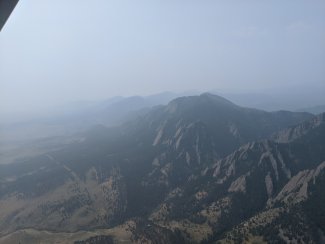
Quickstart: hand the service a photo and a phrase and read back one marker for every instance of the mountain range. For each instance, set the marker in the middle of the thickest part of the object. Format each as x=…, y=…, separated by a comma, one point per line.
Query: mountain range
x=199, y=169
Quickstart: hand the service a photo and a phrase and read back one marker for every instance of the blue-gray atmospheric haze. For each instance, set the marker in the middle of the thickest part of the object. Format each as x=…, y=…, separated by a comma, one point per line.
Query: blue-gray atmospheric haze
x=55, y=52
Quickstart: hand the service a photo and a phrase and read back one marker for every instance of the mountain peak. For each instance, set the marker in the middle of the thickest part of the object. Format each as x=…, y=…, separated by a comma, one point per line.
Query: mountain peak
x=205, y=101
x=217, y=99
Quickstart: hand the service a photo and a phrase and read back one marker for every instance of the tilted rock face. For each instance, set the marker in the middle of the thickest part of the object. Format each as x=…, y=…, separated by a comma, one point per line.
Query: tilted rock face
x=296, y=190
x=276, y=162
x=265, y=157
x=296, y=214
x=300, y=130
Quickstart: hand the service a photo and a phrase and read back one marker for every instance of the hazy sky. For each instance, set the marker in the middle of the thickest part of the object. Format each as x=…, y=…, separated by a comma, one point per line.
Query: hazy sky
x=57, y=51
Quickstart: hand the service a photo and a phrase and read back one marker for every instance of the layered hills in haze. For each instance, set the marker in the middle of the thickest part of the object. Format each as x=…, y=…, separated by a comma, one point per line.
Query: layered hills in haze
x=199, y=169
